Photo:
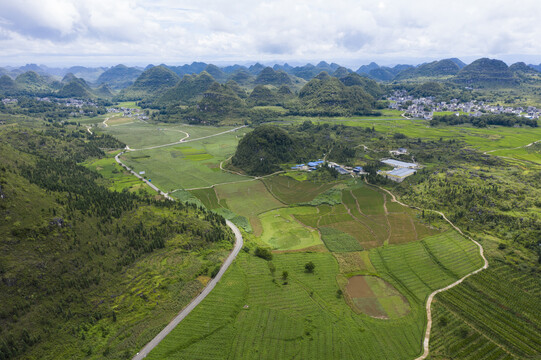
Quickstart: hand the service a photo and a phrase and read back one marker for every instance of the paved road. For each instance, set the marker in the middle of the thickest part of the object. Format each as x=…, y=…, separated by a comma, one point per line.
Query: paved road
x=212, y=283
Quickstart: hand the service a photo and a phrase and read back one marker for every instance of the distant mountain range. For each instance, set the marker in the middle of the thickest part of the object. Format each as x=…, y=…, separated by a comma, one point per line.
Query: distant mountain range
x=183, y=83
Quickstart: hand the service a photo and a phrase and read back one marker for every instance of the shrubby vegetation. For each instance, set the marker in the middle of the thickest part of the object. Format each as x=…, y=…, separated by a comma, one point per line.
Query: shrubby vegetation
x=67, y=244
x=508, y=120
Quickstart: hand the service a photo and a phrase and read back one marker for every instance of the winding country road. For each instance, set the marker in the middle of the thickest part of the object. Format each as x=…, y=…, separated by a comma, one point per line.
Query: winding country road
x=426, y=340
x=211, y=284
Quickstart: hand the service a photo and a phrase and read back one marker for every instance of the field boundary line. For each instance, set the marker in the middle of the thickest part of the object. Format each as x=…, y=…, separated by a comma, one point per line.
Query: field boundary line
x=426, y=340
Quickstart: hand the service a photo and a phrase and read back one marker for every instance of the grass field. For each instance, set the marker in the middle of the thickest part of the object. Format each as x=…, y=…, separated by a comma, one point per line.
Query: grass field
x=248, y=199
x=140, y=135
x=483, y=139
x=281, y=231
x=192, y=165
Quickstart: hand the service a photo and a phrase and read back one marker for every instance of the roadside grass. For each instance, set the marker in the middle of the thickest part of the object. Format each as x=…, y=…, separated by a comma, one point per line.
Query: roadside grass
x=117, y=177
x=291, y=191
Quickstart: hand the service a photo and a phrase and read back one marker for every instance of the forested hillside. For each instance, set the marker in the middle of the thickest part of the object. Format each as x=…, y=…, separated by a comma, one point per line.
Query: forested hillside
x=87, y=272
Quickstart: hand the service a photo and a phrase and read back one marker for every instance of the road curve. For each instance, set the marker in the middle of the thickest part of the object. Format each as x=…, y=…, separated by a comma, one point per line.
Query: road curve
x=211, y=284
x=426, y=340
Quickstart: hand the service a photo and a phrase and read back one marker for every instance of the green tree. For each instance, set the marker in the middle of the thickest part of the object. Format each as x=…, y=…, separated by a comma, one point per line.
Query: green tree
x=309, y=267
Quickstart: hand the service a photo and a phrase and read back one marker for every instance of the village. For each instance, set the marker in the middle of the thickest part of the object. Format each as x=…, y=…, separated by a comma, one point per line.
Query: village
x=424, y=108
x=129, y=113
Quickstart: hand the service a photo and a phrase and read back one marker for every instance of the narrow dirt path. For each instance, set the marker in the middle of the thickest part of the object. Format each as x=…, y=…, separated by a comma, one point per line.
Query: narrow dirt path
x=426, y=341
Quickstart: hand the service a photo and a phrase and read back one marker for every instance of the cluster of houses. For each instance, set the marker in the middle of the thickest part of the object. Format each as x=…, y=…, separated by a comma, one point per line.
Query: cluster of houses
x=424, y=108
x=78, y=103
x=127, y=112
x=10, y=101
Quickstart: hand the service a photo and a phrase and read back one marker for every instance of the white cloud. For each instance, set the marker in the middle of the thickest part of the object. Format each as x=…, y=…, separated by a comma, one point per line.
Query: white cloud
x=175, y=31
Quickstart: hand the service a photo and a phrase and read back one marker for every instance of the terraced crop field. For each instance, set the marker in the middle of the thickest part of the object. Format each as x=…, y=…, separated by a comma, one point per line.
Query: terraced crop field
x=492, y=315
x=255, y=313
x=446, y=258
x=248, y=199
x=291, y=191
x=281, y=231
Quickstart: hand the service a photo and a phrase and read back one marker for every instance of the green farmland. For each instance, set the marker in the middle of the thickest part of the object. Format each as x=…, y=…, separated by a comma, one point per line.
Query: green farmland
x=260, y=315
x=376, y=261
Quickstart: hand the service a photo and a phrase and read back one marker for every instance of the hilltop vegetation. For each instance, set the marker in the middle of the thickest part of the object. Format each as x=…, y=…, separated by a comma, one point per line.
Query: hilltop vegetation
x=150, y=84
x=72, y=251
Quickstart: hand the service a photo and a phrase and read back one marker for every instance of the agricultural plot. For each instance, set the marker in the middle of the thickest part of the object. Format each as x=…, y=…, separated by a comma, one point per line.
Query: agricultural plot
x=252, y=314
x=208, y=197
x=281, y=231
x=355, y=263
x=339, y=241
x=492, y=315
x=375, y=297
x=483, y=139
x=118, y=120
x=248, y=199
x=139, y=135
x=291, y=191
x=191, y=165
x=255, y=313
x=532, y=154
x=119, y=178
x=416, y=269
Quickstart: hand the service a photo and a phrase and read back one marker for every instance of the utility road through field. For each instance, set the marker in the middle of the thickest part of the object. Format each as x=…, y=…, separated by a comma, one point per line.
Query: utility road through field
x=211, y=284
x=426, y=340
x=184, y=140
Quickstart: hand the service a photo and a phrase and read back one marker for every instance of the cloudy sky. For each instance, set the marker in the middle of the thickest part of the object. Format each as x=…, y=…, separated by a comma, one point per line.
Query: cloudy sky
x=351, y=32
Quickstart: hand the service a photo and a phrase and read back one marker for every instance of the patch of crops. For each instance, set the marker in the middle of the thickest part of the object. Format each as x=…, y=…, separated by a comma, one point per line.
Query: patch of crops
x=339, y=241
